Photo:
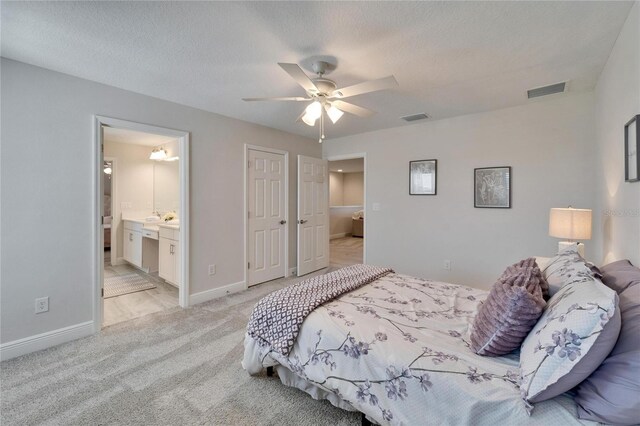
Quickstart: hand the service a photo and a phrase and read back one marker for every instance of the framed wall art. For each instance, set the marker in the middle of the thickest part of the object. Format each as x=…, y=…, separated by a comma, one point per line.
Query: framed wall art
x=423, y=177
x=492, y=187
x=631, y=145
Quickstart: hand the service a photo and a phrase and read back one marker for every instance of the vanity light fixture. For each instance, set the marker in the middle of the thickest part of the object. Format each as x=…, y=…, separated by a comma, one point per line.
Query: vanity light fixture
x=158, y=154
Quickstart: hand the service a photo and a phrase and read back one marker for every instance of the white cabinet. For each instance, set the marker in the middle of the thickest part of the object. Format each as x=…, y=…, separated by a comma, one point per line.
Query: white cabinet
x=169, y=255
x=132, y=244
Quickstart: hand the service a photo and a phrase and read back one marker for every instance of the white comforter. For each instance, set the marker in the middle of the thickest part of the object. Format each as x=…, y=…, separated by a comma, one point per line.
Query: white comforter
x=398, y=350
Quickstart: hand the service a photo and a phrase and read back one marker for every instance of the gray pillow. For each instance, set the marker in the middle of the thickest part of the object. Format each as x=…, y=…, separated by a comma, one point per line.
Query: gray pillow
x=512, y=308
x=612, y=393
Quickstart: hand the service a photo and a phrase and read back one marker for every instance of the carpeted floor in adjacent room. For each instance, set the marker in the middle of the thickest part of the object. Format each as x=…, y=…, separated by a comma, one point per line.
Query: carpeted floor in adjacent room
x=172, y=367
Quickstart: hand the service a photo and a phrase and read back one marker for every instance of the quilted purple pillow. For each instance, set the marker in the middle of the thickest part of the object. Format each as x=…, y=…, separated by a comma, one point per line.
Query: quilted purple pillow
x=611, y=394
x=512, y=308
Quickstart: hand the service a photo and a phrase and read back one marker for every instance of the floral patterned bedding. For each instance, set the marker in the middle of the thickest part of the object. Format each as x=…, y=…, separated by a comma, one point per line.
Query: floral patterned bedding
x=397, y=349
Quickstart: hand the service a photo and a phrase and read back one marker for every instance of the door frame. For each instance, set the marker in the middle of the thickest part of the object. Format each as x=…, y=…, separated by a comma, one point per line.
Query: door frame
x=98, y=233
x=362, y=155
x=245, y=174
x=114, y=210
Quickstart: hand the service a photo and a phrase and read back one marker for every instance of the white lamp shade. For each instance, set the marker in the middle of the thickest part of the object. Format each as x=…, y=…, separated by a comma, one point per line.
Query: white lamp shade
x=311, y=113
x=333, y=113
x=569, y=223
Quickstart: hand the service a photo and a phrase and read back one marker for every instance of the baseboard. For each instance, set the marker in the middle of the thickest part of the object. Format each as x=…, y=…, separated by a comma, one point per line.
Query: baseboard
x=45, y=340
x=293, y=272
x=214, y=293
x=119, y=261
x=340, y=235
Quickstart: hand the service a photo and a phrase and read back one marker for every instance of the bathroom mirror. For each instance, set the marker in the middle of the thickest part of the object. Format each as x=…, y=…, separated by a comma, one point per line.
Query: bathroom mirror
x=166, y=186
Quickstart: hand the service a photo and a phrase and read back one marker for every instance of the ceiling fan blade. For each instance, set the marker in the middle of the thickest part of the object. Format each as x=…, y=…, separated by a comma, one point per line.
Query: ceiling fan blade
x=289, y=98
x=353, y=109
x=299, y=76
x=366, y=87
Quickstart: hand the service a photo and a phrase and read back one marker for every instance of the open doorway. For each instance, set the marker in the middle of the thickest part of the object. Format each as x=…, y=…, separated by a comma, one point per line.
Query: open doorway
x=142, y=204
x=347, y=211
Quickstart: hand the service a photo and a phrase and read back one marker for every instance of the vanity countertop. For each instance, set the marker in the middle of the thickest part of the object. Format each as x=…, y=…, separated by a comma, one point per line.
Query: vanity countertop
x=167, y=225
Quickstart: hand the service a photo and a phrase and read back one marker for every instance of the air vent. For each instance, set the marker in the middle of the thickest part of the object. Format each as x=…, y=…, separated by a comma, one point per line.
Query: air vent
x=546, y=90
x=415, y=117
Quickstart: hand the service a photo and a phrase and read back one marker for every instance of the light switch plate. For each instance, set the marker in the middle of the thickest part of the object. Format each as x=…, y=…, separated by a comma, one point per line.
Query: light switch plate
x=42, y=305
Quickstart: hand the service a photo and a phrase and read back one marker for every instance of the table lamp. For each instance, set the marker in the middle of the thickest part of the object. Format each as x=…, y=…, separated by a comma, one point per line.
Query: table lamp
x=570, y=224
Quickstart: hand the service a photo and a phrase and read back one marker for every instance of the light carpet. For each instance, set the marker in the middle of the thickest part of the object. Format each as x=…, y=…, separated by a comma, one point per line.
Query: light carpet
x=125, y=284
x=177, y=367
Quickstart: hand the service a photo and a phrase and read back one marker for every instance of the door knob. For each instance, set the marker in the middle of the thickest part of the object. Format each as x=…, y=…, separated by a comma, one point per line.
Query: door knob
x=301, y=221
x=282, y=222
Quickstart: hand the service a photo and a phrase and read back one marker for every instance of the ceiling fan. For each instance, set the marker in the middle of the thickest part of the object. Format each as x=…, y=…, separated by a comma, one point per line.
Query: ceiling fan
x=325, y=97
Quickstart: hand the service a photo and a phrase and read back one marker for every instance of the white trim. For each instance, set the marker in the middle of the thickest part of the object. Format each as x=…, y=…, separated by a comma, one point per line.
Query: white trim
x=45, y=340
x=98, y=258
x=245, y=174
x=362, y=155
x=216, y=293
x=339, y=235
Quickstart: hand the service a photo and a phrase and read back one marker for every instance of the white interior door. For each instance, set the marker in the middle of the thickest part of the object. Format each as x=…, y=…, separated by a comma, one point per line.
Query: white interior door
x=313, y=214
x=266, y=216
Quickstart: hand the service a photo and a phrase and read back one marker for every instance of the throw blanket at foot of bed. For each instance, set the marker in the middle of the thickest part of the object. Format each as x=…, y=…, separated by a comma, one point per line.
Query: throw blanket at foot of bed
x=276, y=319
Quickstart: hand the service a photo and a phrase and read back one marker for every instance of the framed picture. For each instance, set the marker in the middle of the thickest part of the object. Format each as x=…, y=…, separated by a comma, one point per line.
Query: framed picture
x=492, y=187
x=423, y=177
x=631, y=145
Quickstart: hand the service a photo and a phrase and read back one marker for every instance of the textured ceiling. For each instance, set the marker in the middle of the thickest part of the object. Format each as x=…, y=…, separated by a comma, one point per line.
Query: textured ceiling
x=450, y=58
x=112, y=134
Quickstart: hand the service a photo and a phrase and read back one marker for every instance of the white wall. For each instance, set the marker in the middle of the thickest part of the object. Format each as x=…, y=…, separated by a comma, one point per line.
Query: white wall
x=336, y=189
x=133, y=175
x=353, y=189
x=617, y=98
x=550, y=146
x=47, y=182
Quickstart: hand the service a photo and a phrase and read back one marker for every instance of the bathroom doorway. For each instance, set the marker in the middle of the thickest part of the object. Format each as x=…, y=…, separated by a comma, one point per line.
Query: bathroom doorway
x=347, y=205
x=143, y=221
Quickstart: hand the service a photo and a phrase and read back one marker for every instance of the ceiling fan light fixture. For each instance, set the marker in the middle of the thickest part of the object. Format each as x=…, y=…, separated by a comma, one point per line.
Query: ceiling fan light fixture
x=333, y=113
x=312, y=113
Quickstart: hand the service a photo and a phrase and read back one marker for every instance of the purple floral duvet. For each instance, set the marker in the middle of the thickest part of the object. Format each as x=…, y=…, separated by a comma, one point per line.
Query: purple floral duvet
x=397, y=350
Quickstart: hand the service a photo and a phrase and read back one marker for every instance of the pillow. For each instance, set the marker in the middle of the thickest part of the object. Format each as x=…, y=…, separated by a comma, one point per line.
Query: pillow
x=512, y=308
x=612, y=393
x=568, y=266
x=576, y=332
x=536, y=280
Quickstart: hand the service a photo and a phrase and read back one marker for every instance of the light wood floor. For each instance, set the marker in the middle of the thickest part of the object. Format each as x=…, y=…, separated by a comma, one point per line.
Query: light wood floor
x=345, y=251
x=141, y=303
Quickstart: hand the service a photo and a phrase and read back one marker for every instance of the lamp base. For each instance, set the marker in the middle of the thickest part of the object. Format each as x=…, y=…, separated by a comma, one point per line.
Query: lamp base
x=565, y=244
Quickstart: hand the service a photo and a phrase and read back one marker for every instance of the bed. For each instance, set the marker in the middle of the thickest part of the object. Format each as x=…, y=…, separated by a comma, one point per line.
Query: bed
x=397, y=350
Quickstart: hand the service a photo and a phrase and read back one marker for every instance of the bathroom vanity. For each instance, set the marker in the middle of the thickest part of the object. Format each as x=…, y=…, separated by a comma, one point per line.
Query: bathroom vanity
x=153, y=247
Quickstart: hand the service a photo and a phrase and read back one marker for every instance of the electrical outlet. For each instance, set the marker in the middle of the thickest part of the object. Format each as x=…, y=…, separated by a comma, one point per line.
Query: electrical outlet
x=42, y=305
x=212, y=269
x=447, y=265
x=376, y=207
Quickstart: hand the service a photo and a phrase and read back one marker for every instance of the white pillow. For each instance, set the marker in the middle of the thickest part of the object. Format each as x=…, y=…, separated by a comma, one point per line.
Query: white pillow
x=555, y=356
x=567, y=267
